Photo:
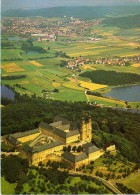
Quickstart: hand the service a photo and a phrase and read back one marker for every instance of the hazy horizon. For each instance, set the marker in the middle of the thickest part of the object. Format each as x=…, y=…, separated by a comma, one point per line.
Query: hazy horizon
x=37, y=4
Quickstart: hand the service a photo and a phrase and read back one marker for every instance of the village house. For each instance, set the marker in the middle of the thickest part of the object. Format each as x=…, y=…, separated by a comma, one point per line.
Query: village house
x=79, y=61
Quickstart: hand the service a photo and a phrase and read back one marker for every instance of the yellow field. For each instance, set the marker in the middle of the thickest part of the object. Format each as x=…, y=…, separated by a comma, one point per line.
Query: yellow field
x=88, y=67
x=107, y=34
x=136, y=65
x=133, y=44
x=12, y=67
x=72, y=85
x=36, y=63
x=55, y=84
x=128, y=55
x=23, y=82
x=91, y=86
x=82, y=53
x=73, y=80
x=93, y=47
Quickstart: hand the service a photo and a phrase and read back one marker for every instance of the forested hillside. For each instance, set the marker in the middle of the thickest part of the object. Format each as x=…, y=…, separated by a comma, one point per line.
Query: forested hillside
x=78, y=12
x=124, y=22
x=108, y=125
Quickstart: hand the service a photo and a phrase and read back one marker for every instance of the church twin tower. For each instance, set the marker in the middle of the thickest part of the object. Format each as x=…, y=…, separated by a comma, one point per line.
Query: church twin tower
x=86, y=130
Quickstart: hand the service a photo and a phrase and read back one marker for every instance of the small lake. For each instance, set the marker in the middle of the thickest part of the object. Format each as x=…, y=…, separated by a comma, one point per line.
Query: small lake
x=7, y=93
x=32, y=52
x=128, y=93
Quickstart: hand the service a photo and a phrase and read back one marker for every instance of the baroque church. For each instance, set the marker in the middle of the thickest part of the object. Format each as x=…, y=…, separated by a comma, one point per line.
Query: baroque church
x=48, y=140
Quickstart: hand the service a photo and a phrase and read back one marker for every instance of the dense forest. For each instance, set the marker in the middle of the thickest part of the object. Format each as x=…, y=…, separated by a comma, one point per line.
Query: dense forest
x=28, y=46
x=108, y=125
x=123, y=22
x=111, y=77
x=77, y=11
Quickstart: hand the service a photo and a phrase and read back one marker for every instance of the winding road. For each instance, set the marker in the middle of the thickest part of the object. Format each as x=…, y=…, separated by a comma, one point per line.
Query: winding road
x=106, y=183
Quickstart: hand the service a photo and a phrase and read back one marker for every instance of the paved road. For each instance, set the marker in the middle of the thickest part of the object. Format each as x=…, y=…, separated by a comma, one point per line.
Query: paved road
x=106, y=183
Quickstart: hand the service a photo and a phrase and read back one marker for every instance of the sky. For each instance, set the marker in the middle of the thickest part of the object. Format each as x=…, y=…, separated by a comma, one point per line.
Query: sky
x=36, y=4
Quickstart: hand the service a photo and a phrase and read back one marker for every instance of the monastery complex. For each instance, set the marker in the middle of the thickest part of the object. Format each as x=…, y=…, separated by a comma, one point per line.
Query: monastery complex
x=49, y=140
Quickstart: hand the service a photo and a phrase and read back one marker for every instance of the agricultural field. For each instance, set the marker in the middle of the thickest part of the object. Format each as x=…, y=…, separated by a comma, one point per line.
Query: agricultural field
x=43, y=70
x=91, y=86
x=12, y=67
x=9, y=54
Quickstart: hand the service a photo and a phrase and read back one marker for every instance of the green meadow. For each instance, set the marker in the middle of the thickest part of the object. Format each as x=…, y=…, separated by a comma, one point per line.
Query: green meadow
x=45, y=72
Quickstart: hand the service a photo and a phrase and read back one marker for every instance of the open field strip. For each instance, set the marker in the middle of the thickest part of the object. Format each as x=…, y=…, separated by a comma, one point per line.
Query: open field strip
x=12, y=67
x=55, y=84
x=68, y=94
x=72, y=85
x=42, y=83
x=133, y=181
x=106, y=101
x=131, y=54
x=98, y=52
x=94, y=47
x=91, y=86
x=10, y=53
x=82, y=53
x=133, y=44
x=47, y=75
x=136, y=65
x=73, y=80
x=128, y=69
x=35, y=63
x=23, y=82
x=88, y=67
